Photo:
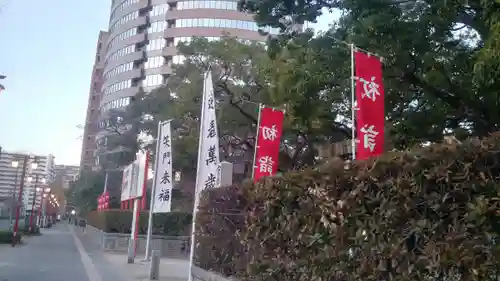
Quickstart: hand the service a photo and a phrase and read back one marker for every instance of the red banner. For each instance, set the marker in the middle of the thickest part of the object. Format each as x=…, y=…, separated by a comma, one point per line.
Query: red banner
x=370, y=115
x=268, y=142
x=103, y=201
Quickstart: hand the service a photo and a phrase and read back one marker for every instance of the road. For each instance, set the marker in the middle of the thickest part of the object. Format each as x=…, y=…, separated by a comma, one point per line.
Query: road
x=57, y=255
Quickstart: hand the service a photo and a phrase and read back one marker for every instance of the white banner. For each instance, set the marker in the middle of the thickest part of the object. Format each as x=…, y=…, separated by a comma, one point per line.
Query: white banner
x=163, y=182
x=127, y=181
x=207, y=175
x=140, y=172
x=133, y=179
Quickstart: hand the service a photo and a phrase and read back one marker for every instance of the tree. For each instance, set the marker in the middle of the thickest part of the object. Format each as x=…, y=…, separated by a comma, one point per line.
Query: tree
x=441, y=59
x=83, y=192
x=244, y=76
x=123, y=127
x=238, y=78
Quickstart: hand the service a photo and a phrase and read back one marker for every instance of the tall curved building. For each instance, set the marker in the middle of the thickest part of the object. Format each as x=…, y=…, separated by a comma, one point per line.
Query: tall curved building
x=143, y=35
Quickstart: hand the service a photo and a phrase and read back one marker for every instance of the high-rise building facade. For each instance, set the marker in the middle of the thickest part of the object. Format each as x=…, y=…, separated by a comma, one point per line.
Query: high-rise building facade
x=90, y=128
x=65, y=174
x=11, y=171
x=143, y=35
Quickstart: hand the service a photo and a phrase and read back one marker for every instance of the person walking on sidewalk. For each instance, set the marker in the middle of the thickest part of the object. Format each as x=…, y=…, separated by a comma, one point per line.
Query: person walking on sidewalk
x=83, y=225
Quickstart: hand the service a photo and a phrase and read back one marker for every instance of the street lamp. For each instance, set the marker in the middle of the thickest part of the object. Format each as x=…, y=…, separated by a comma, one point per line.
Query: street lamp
x=15, y=164
x=26, y=158
x=36, y=189
x=43, y=207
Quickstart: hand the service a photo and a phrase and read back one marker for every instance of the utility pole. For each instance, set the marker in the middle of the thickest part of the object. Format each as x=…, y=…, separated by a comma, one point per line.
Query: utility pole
x=19, y=201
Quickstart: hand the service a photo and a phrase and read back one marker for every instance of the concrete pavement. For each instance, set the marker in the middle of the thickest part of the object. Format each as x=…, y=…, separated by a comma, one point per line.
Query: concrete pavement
x=51, y=257
x=57, y=255
x=170, y=269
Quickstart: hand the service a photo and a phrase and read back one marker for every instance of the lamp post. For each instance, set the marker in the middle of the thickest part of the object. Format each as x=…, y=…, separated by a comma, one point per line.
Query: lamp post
x=32, y=213
x=39, y=212
x=43, y=200
x=54, y=204
x=15, y=164
x=44, y=212
x=19, y=201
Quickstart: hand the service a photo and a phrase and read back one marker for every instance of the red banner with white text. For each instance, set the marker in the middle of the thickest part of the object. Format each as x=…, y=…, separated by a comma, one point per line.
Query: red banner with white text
x=268, y=142
x=370, y=113
x=103, y=201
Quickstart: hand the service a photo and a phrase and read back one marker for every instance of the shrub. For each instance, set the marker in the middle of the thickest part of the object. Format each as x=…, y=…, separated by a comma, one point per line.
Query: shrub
x=427, y=214
x=219, y=218
x=119, y=221
x=7, y=235
x=35, y=230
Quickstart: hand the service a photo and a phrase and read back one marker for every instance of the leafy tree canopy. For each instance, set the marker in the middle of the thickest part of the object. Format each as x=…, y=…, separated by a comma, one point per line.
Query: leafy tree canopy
x=441, y=59
x=244, y=75
x=83, y=192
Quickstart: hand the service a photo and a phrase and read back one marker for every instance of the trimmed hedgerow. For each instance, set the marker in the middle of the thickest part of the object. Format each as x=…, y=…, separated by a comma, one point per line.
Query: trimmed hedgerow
x=427, y=214
x=119, y=221
x=219, y=219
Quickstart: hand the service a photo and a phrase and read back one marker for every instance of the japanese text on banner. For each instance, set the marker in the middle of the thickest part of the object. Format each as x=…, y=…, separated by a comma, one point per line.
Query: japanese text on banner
x=163, y=175
x=268, y=142
x=370, y=115
x=208, y=155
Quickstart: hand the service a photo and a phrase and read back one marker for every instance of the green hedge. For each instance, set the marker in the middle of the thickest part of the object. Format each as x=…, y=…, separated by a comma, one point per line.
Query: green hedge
x=428, y=214
x=119, y=221
x=34, y=231
x=219, y=219
x=6, y=237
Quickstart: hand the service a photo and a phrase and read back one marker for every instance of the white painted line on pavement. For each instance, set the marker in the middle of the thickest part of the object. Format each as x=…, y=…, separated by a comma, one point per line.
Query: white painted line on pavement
x=89, y=266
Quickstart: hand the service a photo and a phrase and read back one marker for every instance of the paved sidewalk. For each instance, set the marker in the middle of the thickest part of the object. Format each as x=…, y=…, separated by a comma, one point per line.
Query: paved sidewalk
x=170, y=269
x=52, y=256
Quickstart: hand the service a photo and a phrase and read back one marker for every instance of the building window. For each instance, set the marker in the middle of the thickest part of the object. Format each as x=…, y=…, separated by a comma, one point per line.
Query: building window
x=154, y=62
x=155, y=44
x=152, y=80
x=120, y=53
x=117, y=87
x=178, y=59
x=122, y=36
x=159, y=10
x=128, y=17
x=177, y=40
x=119, y=69
x=125, y=4
x=119, y=103
x=220, y=5
x=222, y=23
x=157, y=26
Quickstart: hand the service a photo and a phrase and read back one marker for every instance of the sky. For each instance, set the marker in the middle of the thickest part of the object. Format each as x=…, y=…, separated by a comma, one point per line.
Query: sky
x=47, y=51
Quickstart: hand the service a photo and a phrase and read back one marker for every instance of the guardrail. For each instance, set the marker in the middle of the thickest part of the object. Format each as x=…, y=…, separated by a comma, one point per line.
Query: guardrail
x=169, y=246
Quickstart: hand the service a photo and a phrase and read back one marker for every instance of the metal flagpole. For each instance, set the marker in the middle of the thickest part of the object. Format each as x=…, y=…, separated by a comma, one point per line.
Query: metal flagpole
x=153, y=195
x=195, y=207
x=256, y=140
x=353, y=108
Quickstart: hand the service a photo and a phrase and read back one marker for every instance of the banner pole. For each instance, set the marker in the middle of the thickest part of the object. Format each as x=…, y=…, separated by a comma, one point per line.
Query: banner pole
x=256, y=140
x=353, y=108
x=198, y=165
x=153, y=195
